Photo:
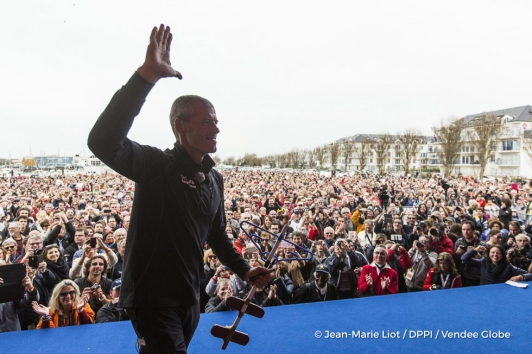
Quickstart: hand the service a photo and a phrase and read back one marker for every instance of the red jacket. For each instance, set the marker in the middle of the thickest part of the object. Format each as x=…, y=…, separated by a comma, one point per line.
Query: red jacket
x=371, y=269
x=445, y=245
x=455, y=283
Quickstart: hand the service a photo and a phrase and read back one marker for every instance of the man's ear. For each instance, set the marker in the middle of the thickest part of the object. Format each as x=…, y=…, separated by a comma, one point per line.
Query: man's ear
x=178, y=125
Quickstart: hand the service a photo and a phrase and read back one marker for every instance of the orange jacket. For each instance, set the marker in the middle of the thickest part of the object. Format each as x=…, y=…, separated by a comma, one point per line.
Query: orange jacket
x=77, y=319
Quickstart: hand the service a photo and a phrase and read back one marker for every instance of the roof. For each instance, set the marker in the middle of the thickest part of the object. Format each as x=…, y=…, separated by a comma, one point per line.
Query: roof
x=358, y=138
x=516, y=114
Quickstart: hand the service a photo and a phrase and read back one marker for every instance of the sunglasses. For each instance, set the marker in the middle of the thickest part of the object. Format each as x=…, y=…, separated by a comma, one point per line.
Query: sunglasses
x=71, y=293
x=213, y=257
x=9, y=247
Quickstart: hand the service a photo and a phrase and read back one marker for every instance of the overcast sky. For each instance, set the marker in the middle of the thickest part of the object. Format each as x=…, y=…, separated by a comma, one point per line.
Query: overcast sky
x=281, y=74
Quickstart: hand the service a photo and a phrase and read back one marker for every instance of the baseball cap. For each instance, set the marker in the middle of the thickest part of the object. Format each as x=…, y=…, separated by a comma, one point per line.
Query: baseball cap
x=116, y=284
x=322, y=268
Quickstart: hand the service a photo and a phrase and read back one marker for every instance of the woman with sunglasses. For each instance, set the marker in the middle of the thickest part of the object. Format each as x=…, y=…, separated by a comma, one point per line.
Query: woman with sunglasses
x=67, y=307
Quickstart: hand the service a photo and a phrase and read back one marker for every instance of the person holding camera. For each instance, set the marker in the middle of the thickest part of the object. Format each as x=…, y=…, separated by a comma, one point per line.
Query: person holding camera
x=111, y=312
x=520, y=255
x=345, y=267
x=94, y=285
x=378, y=278
x=61, y=232
x=9, y=311
x=423, y=258
x=216, y=303
x=55, y=264
x=495, y=268
x=444, y=275
x=470, y=275
x=440, y=241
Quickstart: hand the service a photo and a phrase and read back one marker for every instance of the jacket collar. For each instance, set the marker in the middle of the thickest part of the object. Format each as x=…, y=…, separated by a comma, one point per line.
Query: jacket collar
x=373, y=264
x=190, y=166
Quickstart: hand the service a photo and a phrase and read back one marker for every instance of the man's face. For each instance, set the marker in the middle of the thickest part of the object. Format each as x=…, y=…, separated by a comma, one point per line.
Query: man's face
x=297, y=240
x=329, y=235
x=79, y=238
x=13, y=230
x=24, y=212
x=61, y=206
x=521, y=241
x=467, y=231
x=35, y=244
x=514, y=230
x=96, y=267
x=23, y=224
x=397, y=225
x=274, y=229
x=321, y=279
x=49, y=208
x=120, y=235
x=198, y=134
x=69, y=214
x=112, y=223
x=98, y=228
x=380, y=255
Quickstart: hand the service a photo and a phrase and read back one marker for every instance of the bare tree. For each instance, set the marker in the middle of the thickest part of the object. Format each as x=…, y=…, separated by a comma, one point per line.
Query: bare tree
x=230, y=161
x=282, y=160
x=361, y=152
x=348, y=146
x=296, y=158
x=217, y=159
x=321, y=154
x=334, y=153
x=450, y=138
x=484, y=134
x=310, y=158
x=409, y=142
x=271, y=160
x=381, y=146
x=527, y=142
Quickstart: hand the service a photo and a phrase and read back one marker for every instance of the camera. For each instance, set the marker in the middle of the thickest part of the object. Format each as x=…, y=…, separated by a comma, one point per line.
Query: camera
x=36, y=259
x=444, y=184
x=419, y=245
x=93, y=242
x=95, y=287
x=522, y=252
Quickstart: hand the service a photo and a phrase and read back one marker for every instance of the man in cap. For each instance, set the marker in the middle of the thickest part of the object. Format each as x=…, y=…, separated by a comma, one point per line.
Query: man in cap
x=318, y=290
x=110, y=312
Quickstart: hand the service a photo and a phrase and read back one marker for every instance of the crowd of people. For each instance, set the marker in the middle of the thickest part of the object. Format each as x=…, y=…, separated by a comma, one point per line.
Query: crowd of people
x=351, y=235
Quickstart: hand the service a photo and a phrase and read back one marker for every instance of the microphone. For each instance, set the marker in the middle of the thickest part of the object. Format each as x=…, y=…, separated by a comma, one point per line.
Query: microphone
x=199, y=177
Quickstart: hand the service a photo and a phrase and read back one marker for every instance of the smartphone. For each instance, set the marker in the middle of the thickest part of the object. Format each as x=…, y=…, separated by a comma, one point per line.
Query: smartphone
x=93, y=242
x=35, y=260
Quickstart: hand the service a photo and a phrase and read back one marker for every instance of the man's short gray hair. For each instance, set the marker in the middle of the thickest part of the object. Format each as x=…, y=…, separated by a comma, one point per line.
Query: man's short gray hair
x=183, y=108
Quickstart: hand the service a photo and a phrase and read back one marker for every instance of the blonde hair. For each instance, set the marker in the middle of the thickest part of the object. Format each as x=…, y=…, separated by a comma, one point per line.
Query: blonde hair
x=55, y=305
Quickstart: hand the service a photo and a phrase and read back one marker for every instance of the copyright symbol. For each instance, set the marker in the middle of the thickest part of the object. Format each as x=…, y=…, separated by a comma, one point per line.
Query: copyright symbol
x=317, y=334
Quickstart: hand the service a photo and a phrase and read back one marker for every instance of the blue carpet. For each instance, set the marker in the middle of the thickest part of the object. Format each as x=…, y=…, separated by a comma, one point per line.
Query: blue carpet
x=420, y=321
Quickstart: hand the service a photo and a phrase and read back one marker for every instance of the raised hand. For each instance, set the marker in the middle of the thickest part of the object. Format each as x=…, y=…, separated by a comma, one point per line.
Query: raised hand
x=83, y=300
x=39, y=309
x=157, y=64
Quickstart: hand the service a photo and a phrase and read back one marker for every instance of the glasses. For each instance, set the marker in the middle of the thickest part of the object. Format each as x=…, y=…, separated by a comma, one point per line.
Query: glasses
x=498, y=237
x=71, y=293
x=36, y=244
x=212, y=257
x=329, y=233
x=9, y=247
